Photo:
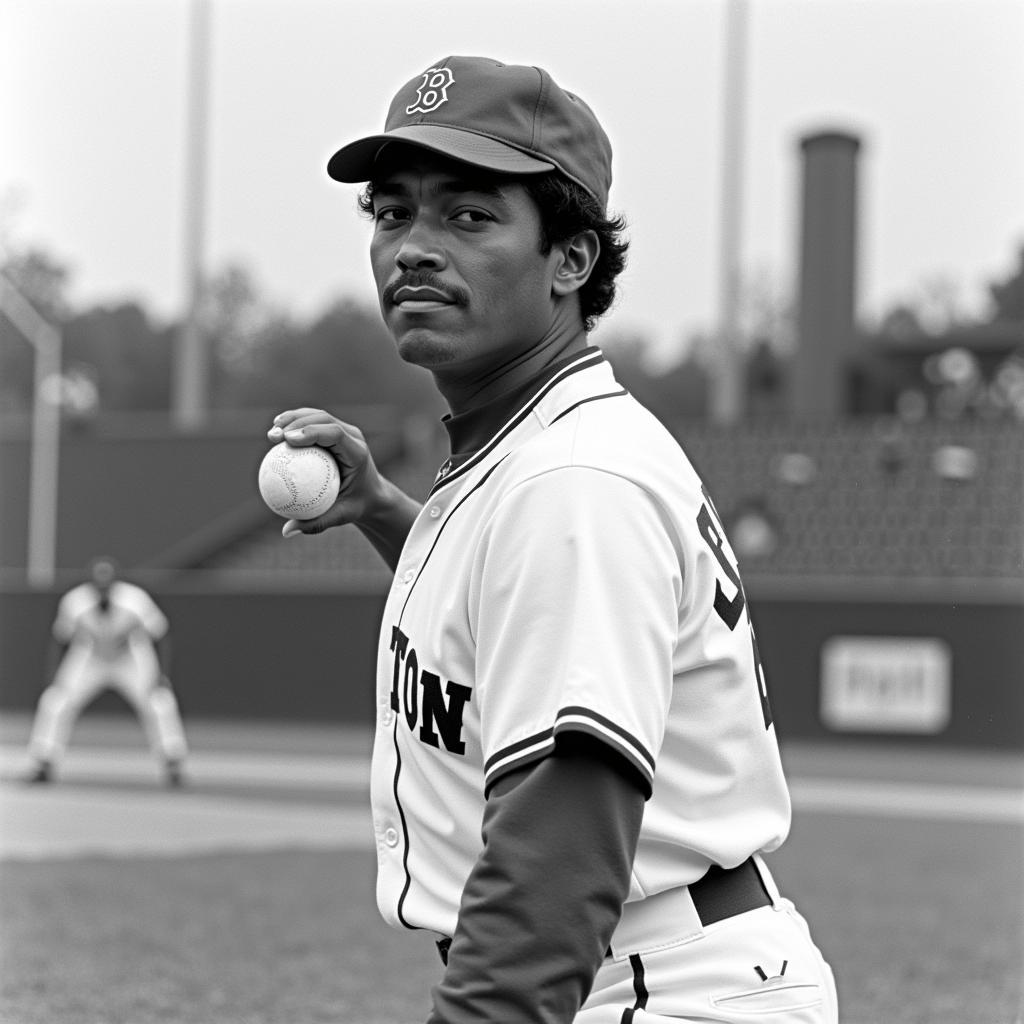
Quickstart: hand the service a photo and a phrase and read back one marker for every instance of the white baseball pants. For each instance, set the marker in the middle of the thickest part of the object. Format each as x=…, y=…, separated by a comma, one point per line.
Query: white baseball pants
x=82, y=676
x=756, y=966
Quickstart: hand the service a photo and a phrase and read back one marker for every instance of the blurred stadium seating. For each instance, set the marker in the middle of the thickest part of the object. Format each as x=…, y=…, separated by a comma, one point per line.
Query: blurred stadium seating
x=866, y=499
x=872, y=498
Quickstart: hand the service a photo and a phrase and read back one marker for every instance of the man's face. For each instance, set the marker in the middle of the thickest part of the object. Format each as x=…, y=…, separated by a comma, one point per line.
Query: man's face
x=103, y=576
x=461, y=280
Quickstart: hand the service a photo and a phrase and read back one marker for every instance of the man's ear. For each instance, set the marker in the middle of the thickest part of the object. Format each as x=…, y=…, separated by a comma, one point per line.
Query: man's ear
x=579, y=255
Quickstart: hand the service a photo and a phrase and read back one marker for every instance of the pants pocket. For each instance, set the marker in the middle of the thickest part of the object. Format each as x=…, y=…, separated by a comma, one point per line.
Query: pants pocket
x=773, y=997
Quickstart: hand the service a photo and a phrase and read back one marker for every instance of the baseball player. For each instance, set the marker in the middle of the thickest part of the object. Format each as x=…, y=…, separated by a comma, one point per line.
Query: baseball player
x=575, y=775
x=108, y=633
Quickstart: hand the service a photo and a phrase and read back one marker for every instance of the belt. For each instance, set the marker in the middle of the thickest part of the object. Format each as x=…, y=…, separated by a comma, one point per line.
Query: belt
x=676, y=916
x=723, y=893
x=720, y=893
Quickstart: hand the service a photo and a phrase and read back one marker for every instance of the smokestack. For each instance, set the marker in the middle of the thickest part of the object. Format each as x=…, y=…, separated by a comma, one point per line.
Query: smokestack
x=828, y=255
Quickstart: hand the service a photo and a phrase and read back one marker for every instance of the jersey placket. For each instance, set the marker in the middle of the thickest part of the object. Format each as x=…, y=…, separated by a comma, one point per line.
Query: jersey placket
x=390, y=827
x=400, y=894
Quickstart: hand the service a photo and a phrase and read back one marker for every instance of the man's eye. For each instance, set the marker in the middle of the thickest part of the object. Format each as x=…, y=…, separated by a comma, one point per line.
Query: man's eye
x=472, y=216
x=391, y=214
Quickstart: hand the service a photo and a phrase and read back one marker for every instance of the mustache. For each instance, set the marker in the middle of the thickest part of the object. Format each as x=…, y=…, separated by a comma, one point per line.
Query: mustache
x=425, y=279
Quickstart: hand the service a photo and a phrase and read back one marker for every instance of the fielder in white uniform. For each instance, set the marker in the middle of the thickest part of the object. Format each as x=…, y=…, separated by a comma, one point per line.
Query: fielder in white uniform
x=575, y=774
x=108, y=634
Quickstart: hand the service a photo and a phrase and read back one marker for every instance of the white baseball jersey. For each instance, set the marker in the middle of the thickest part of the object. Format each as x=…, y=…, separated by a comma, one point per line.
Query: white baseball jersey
x=572, y=575
x=132, y=618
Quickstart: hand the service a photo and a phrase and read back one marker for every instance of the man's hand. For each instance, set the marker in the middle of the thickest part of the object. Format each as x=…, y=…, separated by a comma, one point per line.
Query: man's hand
x=362, y=487
x=381, y=511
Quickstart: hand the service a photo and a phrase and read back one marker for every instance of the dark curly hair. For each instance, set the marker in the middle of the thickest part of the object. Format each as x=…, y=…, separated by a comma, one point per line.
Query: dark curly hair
x=566, y=209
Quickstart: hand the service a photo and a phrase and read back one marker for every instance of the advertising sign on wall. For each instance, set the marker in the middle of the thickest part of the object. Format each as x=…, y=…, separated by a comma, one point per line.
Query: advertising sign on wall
x=886, y=684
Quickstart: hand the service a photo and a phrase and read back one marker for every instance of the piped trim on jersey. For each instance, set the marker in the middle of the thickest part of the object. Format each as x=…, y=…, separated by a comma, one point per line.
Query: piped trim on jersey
x=448, y=519
x=592, y=398
x=399, y=909
x=533, y=748
x=583, y=717
x=572, y=719
x=585, y=361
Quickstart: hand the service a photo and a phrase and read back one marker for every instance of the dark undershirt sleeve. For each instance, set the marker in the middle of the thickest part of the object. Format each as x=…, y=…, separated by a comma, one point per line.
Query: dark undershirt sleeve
x=542, y=901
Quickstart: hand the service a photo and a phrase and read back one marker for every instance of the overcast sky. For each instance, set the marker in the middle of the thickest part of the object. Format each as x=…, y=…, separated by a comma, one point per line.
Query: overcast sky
x=93, y=130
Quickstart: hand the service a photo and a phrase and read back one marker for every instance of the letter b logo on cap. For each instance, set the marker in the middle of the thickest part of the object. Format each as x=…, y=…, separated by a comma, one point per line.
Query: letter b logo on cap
x=432, y=91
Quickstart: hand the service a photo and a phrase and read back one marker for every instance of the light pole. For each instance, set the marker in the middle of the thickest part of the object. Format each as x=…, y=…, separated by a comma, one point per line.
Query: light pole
x=189, y=396
x=727, y=393
x=45, y=338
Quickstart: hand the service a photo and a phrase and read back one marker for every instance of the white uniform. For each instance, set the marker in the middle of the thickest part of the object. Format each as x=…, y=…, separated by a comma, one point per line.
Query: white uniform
x=108, y=648
x=574, y=575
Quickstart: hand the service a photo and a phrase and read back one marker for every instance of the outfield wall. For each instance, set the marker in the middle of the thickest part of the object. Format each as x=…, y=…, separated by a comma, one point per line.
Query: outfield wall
x=928, y=672
x=132, y=487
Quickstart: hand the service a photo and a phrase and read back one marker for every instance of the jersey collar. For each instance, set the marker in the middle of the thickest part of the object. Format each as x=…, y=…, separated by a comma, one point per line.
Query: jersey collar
x=570, y=382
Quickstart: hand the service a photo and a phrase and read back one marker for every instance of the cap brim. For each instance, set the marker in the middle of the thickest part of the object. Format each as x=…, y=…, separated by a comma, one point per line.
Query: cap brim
x=355, y=161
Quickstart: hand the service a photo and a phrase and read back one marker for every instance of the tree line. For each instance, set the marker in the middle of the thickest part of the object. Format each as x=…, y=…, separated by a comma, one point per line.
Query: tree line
x=263, y=357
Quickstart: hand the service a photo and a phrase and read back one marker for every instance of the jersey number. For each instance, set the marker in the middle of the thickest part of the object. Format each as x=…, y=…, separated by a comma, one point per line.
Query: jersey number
x=730, y=610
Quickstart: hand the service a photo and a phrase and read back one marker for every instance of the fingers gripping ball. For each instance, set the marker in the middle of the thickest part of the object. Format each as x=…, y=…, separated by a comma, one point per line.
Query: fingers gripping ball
x=299, y=483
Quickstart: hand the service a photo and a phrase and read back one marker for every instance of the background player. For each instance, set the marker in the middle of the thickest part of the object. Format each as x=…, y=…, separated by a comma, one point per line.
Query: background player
x=108, y=633
x=575, y=771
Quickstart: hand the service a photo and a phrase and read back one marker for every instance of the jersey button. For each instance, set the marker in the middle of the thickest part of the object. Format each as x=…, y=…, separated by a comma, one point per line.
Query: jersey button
x=435, y=511
x=391, y=837
x=408, y=576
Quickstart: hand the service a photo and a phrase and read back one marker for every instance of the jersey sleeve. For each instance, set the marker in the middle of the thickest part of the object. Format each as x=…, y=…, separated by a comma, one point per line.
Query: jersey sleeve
x=145, y=609
x=534, y=957
x=69, y=612
x=582, y=575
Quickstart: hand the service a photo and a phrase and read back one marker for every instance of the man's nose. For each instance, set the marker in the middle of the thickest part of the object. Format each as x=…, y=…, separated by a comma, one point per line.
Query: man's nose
x=420, y=248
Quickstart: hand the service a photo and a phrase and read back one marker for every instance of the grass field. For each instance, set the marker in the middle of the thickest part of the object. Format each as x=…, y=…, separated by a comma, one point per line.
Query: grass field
x=909, y=867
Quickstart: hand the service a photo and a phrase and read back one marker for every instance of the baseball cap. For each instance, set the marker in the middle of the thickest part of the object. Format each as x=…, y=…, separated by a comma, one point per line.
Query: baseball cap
x=509, y=118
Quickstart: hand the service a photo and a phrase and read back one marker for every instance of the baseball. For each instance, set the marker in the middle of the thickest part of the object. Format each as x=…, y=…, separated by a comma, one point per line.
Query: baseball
x=299, y=483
